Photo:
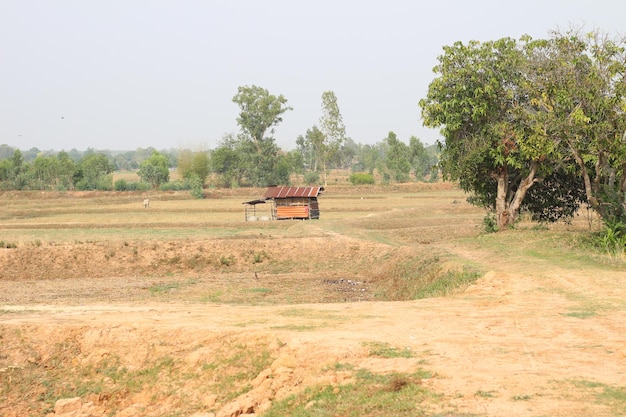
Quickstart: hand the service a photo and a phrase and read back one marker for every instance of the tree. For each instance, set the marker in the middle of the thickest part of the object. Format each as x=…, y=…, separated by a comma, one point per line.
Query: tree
x=476, y=99
x=260, y=112
x=194, y=163
x=579, y=103
x=155, y=170
x=93, y=172
x=43, y=172
x=311, y=147
x=397, y=159
x=422, y=161
x=65, y=172
x=227, y=162
x=333, y=133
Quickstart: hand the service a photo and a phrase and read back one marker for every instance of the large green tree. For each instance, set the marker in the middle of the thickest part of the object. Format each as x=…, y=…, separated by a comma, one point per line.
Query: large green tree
x=227, y=162
x=94, y=172
x=476, y=100
x=192, y=163
x=397, y=159
x=578, y=88
x=260, y=112
x=155, y=170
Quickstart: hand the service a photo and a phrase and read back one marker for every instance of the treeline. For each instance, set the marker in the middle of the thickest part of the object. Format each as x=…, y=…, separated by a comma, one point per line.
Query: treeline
x=231, y=164
x=250, y=157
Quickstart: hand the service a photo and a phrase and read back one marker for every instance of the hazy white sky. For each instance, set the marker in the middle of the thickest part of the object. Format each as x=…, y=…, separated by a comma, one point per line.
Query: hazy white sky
x=123, y=74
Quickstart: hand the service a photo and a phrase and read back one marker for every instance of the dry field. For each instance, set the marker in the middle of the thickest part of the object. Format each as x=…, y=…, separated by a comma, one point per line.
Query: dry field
x=394, y=303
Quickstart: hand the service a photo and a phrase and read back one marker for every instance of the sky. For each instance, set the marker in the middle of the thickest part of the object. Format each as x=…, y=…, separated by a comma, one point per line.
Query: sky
x=128, y=74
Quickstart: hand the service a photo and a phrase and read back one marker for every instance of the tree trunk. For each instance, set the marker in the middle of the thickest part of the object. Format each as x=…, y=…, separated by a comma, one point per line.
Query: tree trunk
x=502, y=214
x=507, y=212
x=589, y=191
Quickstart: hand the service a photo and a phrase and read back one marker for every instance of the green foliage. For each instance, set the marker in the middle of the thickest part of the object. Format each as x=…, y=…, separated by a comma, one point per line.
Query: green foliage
x=197, y=191
x=312, y=178
x=516, y=113
x=333, y=133
x=360, y=178
x=490, y=224
x=397, y=159
x=557, y=197
x=123, y=185
x=194, y=163
x=385, y=350
x=94, y=173
x=371, y=394
x=613, y=238
x=247, y=160
x=120, y=185
x=282, y=171
x=260, y=112
x=227, y=161
x=423, y=159
x=155, y=170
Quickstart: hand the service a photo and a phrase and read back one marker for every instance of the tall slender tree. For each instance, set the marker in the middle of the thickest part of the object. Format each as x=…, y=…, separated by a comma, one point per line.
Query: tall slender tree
x=333, y=131
x=260, y=113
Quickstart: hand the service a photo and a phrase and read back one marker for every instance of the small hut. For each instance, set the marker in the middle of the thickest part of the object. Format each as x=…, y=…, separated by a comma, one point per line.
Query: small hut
x=294, y=202
x=288, y=203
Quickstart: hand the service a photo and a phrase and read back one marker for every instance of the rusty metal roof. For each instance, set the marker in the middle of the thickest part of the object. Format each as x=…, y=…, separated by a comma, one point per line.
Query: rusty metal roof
x=289, y=192
x=254, y=202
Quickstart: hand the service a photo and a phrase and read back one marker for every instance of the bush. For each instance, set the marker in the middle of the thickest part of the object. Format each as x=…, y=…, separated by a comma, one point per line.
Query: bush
x=613, y=240
x=123, y=185
x=312, y=178
x=175, y=186
x=490, y=223
x=196, y=186
x=120, y=185
x=361, y=178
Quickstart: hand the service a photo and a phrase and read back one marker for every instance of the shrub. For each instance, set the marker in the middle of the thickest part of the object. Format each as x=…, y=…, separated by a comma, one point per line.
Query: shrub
x=490, y=223
x=175, y=186
x=613, y=239
x=359, y=178
x=195, y=184
x=121, y=185
x=312, y=178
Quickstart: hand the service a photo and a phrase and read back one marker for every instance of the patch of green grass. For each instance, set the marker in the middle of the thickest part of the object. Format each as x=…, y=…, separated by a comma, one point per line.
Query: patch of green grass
x=447, y=283
x=430, y=275
x=581, y=314
x=394, y=394
x=300, y=327
x=521, y=397
x=385, y=350
x=260, y=290
x=212, y=297
x=484, y=394
x=340, y=367
x=311, y=314
x=166, y=287
x=612, y=397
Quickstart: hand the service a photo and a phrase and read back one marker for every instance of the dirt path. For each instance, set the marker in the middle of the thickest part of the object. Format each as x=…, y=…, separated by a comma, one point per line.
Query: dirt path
x=509, y=345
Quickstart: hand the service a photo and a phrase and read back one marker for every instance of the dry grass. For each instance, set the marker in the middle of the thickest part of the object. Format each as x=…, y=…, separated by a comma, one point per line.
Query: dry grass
x=77, y=247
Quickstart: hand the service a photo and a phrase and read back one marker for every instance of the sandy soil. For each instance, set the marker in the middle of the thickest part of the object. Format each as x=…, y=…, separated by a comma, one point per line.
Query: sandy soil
x=509, y=345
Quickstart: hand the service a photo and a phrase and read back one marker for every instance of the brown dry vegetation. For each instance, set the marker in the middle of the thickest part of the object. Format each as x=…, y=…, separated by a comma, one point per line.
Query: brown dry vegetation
x=185, y=309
